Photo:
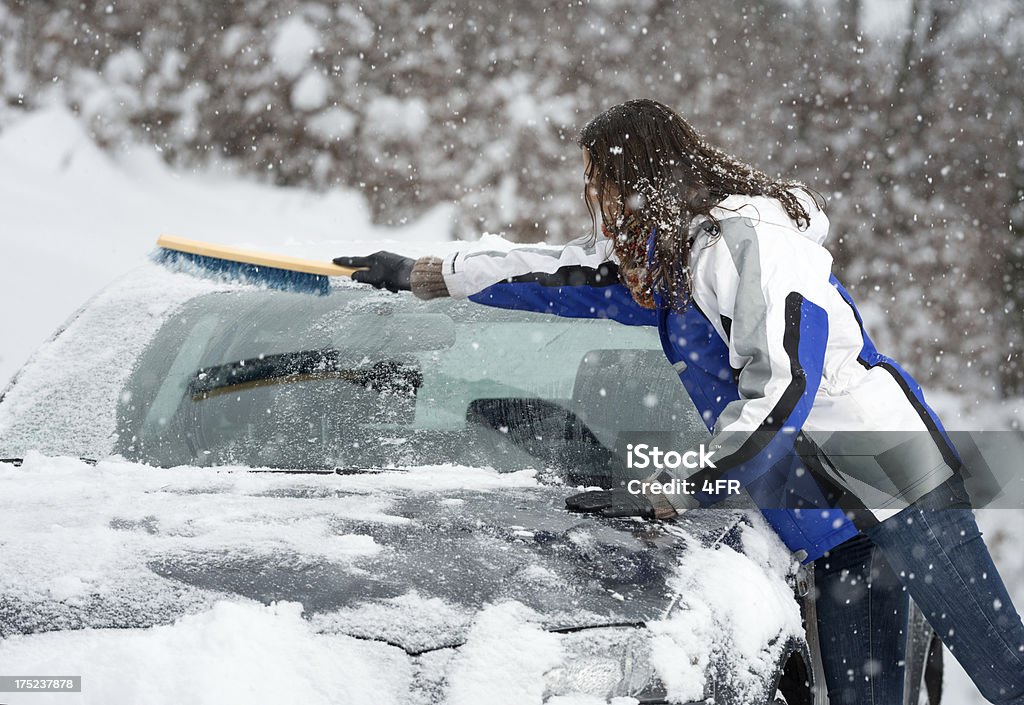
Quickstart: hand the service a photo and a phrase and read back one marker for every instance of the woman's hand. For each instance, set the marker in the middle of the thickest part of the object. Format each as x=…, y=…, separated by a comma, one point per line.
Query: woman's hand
x=386, y=270
x=611, y=503
x=383, y=270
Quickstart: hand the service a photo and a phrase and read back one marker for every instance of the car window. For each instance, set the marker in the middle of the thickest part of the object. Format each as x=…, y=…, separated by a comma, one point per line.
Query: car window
x=63, y=401
x=359, y=381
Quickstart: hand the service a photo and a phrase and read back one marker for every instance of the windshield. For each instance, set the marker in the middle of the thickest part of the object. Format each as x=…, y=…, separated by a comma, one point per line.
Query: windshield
x=358, y=381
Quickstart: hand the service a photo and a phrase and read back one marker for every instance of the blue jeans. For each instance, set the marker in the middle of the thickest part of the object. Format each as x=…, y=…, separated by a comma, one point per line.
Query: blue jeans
x=934, y=551
x=862, y=610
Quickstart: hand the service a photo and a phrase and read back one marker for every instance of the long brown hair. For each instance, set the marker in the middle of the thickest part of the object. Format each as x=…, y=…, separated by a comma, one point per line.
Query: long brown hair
x=658, y=173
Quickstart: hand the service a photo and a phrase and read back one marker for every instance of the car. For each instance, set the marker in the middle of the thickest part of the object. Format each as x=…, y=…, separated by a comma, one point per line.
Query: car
x=396, y=470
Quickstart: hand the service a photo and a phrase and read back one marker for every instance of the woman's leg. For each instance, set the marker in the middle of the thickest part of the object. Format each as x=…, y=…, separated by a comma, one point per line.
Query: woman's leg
x=862, y=617
x=937, y=550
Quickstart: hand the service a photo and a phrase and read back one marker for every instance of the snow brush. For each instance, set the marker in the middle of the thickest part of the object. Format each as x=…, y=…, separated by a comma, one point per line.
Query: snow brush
x=237, y=264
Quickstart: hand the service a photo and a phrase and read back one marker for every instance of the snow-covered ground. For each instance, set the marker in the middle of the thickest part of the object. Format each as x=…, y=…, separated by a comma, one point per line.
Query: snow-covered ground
x=72, y=219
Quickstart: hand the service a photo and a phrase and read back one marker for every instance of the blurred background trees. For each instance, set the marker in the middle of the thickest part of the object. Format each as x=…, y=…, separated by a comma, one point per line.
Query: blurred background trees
x=905, y=114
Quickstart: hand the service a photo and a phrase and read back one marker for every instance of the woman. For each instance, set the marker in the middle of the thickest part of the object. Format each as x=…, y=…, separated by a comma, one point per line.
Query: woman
x=728, y=264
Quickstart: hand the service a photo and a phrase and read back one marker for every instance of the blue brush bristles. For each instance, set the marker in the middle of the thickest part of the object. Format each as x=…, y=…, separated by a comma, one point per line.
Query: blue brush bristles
x=243, y=273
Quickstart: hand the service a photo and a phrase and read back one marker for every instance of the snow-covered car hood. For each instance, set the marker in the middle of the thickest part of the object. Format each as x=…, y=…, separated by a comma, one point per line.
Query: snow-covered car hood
x=194, y=570
x=123, y=545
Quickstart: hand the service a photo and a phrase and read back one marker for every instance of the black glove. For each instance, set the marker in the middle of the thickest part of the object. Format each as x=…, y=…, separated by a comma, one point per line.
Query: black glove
x=611, y=503
x=386, y=270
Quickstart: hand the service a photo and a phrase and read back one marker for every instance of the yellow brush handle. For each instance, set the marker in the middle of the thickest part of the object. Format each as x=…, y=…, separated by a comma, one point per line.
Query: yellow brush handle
x=262, y=259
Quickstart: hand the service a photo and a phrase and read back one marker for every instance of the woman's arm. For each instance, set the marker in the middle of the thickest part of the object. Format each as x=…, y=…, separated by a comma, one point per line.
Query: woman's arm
x=576, y=280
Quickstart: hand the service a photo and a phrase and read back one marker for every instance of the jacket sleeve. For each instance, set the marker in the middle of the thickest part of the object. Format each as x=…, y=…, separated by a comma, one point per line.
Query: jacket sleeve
x=574, y=281
x=759, y=292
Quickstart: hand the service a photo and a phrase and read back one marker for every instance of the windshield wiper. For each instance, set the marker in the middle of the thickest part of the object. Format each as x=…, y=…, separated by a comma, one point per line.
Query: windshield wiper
x=17, y=462
x=302, y=366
